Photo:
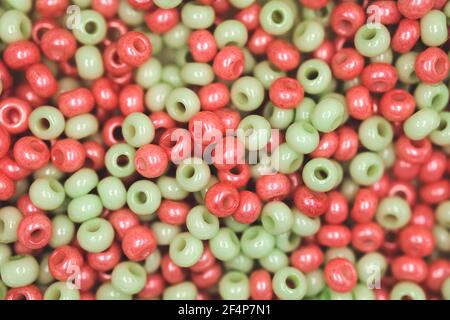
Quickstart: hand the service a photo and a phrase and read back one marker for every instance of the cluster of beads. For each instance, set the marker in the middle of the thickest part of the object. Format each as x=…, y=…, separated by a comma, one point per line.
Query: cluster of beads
x=323, y=129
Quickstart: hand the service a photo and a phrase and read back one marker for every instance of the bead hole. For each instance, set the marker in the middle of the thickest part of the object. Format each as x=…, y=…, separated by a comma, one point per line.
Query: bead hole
x=372, y=170
x=57, y=156
x=207, y=217
x=321, y=173
x=90, y=27
x=252, y=234
x=37, y=235
x=188, y=172
x=135, y=270
x=12, y=116
x=93, y=227
x=390, y=218
x=345, y=25
x=236, y=278
x=442, y=125
x=55, y=186
x=440, y=66
x=180, y=245
x=44, y=124
x=123, y=160
x=268, y=222
x=180, y=108
x=308, y=127
x=292, y=282
x=113, y=34
x=436, y=101
x=59, y=258
x=117, y=133
x=369, y=34
x=242, y=98
x=312, y=74
x=37, y=147
x=381, y=129
x=141, y=164
x=277, y=16
x=141, y=197
x=55, y=295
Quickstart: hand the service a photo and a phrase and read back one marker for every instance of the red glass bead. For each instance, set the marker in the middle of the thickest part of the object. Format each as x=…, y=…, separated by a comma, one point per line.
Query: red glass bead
x=367, y=237
x=207, y=278
x=202, y=46
x=413, y=151
x=346, y=18
x=141, y=4
x=311, y=203
x=173, y=212
x=134, y=48
x=273, y=187
x=138, y=243
x=154, y=287
x=379, y=77
x=177, y=143
x=307, y=258
x=325, y=51
x=206, y=128
x=261, y=285
x=7, y=187
x=68, y=155
x=286, y=93
x=406, y=36
x=416, y=241
x=107, y=8
x=227, y=153
x=403, y=189
x=34, y=231
x=230, y=118
x=229, y=63
x=51, y=8
x=359, y=102
x=31, y=153
x=435, y=167
x=334, y=235
x=435, y=192
x=112, y=131
x=432, y=65
x=95, y=155
x=404, y=170
x=25, y=206
x=214, y=96
x=438, y=271
x=206, y=260
x=238, y=176
x=41, y=80
x=12, y=169
x=283, y=55
x=75, y=102
x=387, y=12
x=340, y=275
x=106, y=260
x=259, y=41
x=414, y=9
x=21, y=54
x=162, y=20
x=338, y=209
x=122, y=220
x=64, y=262
x=30, y=292
x=397, y=105
x=58, y=44
x=131, y=99
x=86, y=278
x=222, y=199
x=364, y=205
x=249, y=208
x=151, y=161
x=422, y=215
x=249, y=16
x=347, y=64
x=112, y=62
x=170, y=271
x=348, y=144
x=14, y=114
x=405, y=268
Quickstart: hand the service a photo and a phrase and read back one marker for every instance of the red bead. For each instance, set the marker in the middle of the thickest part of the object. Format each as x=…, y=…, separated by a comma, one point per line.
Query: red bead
x=414, y=9
x=406, y=36
x=387, y=12
x=259, y=41
x=307, y=258
x=21, y=54
x=131, y=99
x=141, y=4
x=230, y=118
x=25, y=206
x=75, y=102
x=413, y=151
x=220, y=6
x=134, y=48
x=177, y=143
x=106, y=260
x=41, y=80
x=311, y=203
x=439, y=4
x=170, y=271
x=238, y=176
x=273, y=187
x=228, y=153
x=154, y=287
x=222, y=199
x=12, y=169
x=229, y=63
x=364, y=205
x=68, y=155
x=115, y=29
x=7, y=187
x=58, y=44
x=359, y=102
x=214, y=96
x=24, y=92
x=151, y=161
x=340, y=275
x=107, y=8
x=249, y=16
x=367, y=237
x=325, y=51
x=207, y=278
x=202, y=46
x=334, y=236
x=261, y=285
x=14, y=114
x=86, y=278
x=397, y=105
x=112, y=62
x=249, y=208
x=206, y=128
x=435, y=192
x=347, y=64
x=51, y=8
x=438, y=272
x=422, y=215
x=40, y=27
x=283, y=55
x=405, y=268
x=435, y=167
x=286, y=93
x=338, y=209
x=346, y=18
x=173, y=212
x=31, y=153
x=34, y=231
x=403, y=189
x=65, y=262
x=348, y=144
x=112, y=131
x=162, y=20
x=206, y=261
x=379, y=77
x=30, y=292
x=404, y=170
x=314, y=4
x=432, y=65
x=138, y=243
x=122, y=220
x=416, y=241
x=95, y=155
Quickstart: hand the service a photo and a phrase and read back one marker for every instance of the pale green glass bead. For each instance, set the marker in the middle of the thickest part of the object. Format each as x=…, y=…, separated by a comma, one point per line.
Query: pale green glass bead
x=421, y=124
x=314, y=283
x=240, y=263
x=247, y=93
x=371, y=267
x=351, y=83
x=62, y=209
x=443, y=214
x=170, y=189
x=47, y=193
x=84, y=208
x=155, y=97
x=278, y=118
x=201, y=223
x=46, y=122
x=156, y=41
x=185, y=250
x=254, y=132
x=341, y=98
x=385, y=57
x=434, y=96
x=304, y=226
x=304, y=110
x=81, y=126
x=171, y=74
x=66, y=84
x=143, y=197
x=322, y=15
x=83, y=4
x=112, y=193
x=241, y=4
x=14, y=26
x=22, y=186
x=256, y=242
x=89, y=62
x=95, y=235
x=276, y=17
x=182, y=104
x=5, y=253
x=235, y=226
x=340, y=252
x=328, y=114
x=405, y=66
x=19, y=271
x=287, y=242
x=61, y=291
x=289, y=284
x=264, y=167
x=433, y=28
x=362, y=292
x=138, y=129
x=234, y=286
x=181, y=291
x=21, y=5
x=119, y=160
x=370, y=41
x=92, y=28
x=314, y=75
x=63, y=231
x=128, y=277
x=196, y=16
x=230, y=32
x=441, y=136
x=44, y=277
x=308, y=35
x=153, y=261
x=167, y=4
x=193, y=174
x=388, y=155
x=129, y=15
x=277, y=217
x=320, y=175
x=267, y=73
x=10, y=218
x=442, y=238
x=445, y=289
x=249, y=61
x=285, y=160
x=198, y=74
x=48, y=171
x=164, y=232
x=148, y=74
x=302, y=137
x=225, y=245
x=200, y=195
x=366, y=168
x=274, y=261
x=349, y=189
x=177, y=37
x=407, y=290
x=340, y=295
x=106, y=291
x=375, y=133
x=393, y=213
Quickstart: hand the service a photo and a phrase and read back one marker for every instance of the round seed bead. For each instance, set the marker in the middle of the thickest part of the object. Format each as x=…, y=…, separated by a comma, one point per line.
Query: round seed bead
x=302, y=137
x=112, y=193
x=289, y=284
x=285, y=160
x=89, y=62
x=81, y=126
x=256, y=242
x=434, y=96
x=143, y=197
x=224, y=245
x=95, y=235
x=366, y=168
x=128, y=277
x=320, y=175
x=247, y=93
x=421, y=124
x=63, y=231
x=107, y=291
x=19, y=271
x=185, y=250
x=254, y=132
x=193, y=174
x=276, y=17
x=182, y=104
x=304, y=226
x=164, y=232
x=433, y=28
x=308, y=35
x=314, y=75
x=61, y=291
x=119, y=160
x=46, y=123
x=181, y=291
x=375, y=133
x=407, y=290
x=328, y=114
x=201, y=223
x=441, y=136
x=276, y=217
x=230, y=32
x=196, y=16
x=371, y=42
x=138, y=129
x=393, y=213
x=149, y=73
x=15, y=26
x=84, y=208
x=445, y=289
x=170, y=189
x=266, y=73
x=234, y=286
x=277, y=117
x=81, y=183
x=47, y=193
x=10, y=218
x=92, y=27
x=370, y=264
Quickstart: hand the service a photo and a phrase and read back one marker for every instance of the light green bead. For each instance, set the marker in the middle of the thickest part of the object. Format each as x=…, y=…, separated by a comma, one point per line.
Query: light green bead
x=277, y=217
x=193, y=174
x=375, y=133
x=322, y=15
x=128, y=277
x=349, y=189
x=388, y=155
x=156, y=41
x=247, y=93
x=278, y=118
x=106, y=291
x=287, y=242
x=340, y=252
x=164, y=232
x=48, y=171
x=22, y=186
x=237, y=227
x=84, y=208
x=182, y=104
x=384, y=57
x=171, y=75
x=185, y=250
x=200, y=195
x=21, y=5
x=308, y=35
x=46, y=122
x=393, y=213
x=143, y=197
x=441, y=136
x=241, y=4
x=361, y=292
x=433, y=28
x=340, y=295
x=302, y=137
x=89, y=62
x=234, y=286
x=83, y=4
x=445, y=289
x=198, y=74
x=119, y=160
x=181, y=291
x=19, y=271
x=47, y=193
x=405, y=66
x=81, y=182
x=434, y=96
x=304, y=110
x=196, y=16
x=138, y=129
x=371, y=267
x=407, y=290
x=153, y=261
x=314, y=75
x=372, y=40
x=320, y=175
x=421, y=124
x=328, y=114
x=112, y=193
x=442, y=238
x=63, y=231
x=267, y=73
x=304, y=226
x=81, y=126
x=155, y=97
x=254, y=132
x=148, y=74
x=177, y=37
x=45, y=277
x=95, y=235
x=256, y=242
x=230, y=32
x=167, y=4
x=170, y=189
x=201, y=223
x=314, y=283
x=225, y=245
x=5, y=253
x=285, y=160
x=276, y=17
x=240, y=263
x=92, y=28
x=443, y=214
x=366, y=168
x=129, y=15
x=289, y=284
x=61, y=291
x=14, y=26
x=10, y=218
x=274, y=261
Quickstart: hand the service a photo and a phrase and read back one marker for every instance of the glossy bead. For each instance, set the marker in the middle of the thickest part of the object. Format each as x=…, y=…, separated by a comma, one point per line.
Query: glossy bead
x=286, y=93
x=340, y=275
x=432, y=65
x=347, y=64
x=260, y=285
x=222, y=199
x=379, y=77
x=406, y=35
x=31, y=153
x=307, y=258
x=138, y=243
x=41, y=80
x=76, y=102
x=134, y=48
x=416, y=241
x=229, y=63
x=338, y=208
x=162, y=20
x=68, y=155
x=334, y=236
x=273, y=187
x=202, y=46
x=64, y=261
x=21, y=54
x=312, y=204
x=283, y=55
x=151, y=161
x=346, y=18
x=14, y=114
x=34, y=231
x=105, y=260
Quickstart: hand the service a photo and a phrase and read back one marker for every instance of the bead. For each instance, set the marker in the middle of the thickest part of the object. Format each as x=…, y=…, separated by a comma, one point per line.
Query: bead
x=143, y=197
x=421, y=124
x=95, y=235
x=432, y=65
x=366, y=168
x=34, y=231
x=247, y=93
x=46, y=122
x=46, y=193
x=371, y=42
x=283, y=55
x=31, y=153
x=314, y=75
x=379, y=77
x=320, y=175
x=128, y=277
x=41, y=80
x=15, y=26
x=276, y=17
x=286, y=93
x=19, y=271
x=289, y=284
x=375, y=133
x=68, y=155
x=340, y=275
x=393, y=213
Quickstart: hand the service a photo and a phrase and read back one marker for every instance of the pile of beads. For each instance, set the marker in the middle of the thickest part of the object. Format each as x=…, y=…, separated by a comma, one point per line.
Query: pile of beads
x=224, y=149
